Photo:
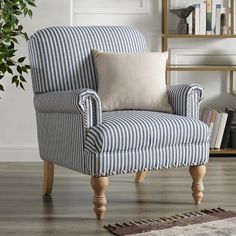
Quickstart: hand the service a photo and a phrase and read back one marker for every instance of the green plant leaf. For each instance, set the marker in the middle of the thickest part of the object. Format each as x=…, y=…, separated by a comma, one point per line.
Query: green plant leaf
x=9, y=70
x=11, y=29
x=20, y=27
x=25, y=11
x=12, y=45
x=15, y=7
x=14, y=33
x=18, y=68
x=30, y=13
x=23, y=68
x=26, y=36
x=14, y=79
x=18, y=13
x=15, y=40
x=32, y=4
x=22, y=79
x=10, y=63
x=21, y=59
x=1, y=87
x=22, y=86
x=17, y=83
x=3, y=68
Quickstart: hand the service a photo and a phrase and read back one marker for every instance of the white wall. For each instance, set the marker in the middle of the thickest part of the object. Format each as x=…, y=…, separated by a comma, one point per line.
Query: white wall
x=142, y=14
x=18, y=139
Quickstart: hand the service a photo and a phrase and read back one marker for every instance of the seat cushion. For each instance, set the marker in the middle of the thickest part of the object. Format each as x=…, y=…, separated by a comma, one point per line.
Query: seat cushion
x=123, y=131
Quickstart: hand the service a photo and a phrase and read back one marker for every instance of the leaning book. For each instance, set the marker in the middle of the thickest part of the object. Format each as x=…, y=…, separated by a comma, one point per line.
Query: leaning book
x=220, y=132
x=215, y=130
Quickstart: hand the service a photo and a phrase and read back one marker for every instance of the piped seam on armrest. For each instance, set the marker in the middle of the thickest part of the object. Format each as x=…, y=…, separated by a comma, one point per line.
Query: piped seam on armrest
x=85, y=102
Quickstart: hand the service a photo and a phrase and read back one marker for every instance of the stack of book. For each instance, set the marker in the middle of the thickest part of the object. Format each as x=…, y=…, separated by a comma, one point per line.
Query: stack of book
x=220, y=124
x=209, y=18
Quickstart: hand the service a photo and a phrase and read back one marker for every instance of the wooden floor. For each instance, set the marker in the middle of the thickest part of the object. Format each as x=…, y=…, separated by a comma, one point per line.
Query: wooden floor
x=69, y=212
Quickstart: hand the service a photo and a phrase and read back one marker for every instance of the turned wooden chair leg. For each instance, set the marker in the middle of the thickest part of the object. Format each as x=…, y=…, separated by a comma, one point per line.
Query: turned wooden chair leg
x=197, y=173
x=99, y=185
x=140, y=176
x=48, y=177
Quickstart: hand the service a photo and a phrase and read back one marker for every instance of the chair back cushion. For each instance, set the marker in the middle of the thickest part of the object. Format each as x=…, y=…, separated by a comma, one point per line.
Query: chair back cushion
x=61, y=60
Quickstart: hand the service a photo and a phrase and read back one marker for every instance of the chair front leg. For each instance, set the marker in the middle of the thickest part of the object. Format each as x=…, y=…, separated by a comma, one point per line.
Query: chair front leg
x=48, y=177
x=197, y=173
x=99, y=185
x=140, y=176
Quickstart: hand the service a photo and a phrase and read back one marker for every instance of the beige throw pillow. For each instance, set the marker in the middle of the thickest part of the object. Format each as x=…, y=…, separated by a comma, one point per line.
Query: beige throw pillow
x=132, y=81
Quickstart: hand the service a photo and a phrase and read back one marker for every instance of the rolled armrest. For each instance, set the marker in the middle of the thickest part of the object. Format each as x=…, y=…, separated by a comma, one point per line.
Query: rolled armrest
x=84, y=101
x=185, y=99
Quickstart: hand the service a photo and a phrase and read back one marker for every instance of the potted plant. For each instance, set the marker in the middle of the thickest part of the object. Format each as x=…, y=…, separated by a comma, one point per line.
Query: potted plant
x=10, y=30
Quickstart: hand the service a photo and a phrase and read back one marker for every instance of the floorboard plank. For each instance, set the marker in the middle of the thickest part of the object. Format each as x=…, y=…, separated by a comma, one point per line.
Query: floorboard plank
x=23, y=211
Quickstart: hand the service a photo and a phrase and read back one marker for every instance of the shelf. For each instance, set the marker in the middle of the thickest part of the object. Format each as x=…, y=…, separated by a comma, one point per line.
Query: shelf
x=172, y=35
x=229, y=151
x=167, y=34
x=201, y=68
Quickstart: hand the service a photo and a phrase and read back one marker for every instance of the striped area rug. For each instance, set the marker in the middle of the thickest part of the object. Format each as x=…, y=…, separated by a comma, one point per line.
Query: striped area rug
x=214, y=222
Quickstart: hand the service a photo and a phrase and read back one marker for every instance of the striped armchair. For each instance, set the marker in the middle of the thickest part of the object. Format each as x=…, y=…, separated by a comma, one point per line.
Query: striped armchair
x=73, y=131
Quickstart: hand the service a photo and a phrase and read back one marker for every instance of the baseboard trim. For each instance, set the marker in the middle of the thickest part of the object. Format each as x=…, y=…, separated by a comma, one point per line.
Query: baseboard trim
x=19, y=154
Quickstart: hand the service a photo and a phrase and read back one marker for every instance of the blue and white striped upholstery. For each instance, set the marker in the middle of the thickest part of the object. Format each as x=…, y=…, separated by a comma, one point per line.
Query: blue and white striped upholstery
x=72, y=130
x=84, y=101
x=61, y=56
x=128, y=141
x=123, y=131
x=185, y=99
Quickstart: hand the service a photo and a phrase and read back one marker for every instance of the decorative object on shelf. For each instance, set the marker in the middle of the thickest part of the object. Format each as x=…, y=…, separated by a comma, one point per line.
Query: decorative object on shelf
x=183, y=14
x=11, y=28
x=223, y=27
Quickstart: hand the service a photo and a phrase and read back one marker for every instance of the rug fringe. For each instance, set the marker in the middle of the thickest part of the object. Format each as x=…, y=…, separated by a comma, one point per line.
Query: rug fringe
x=146, y=225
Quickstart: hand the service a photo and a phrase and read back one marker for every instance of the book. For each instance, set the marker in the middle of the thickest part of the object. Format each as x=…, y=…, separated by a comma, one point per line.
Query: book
x=233, y=137
x=217, y=19
x=193, y=20
x=220, y=132
x=213, y=18
x=226, y=135
x=196, y=19
x=215, y=130
x=203, y=18
x=209, y=117
x=209, y=17
x=212, y=121
x=229, y=18
x=206, y=116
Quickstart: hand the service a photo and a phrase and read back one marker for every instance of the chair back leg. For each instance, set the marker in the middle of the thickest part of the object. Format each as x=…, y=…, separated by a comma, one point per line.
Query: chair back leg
x=197, y=173
x=140, y=176
x=48, y=177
